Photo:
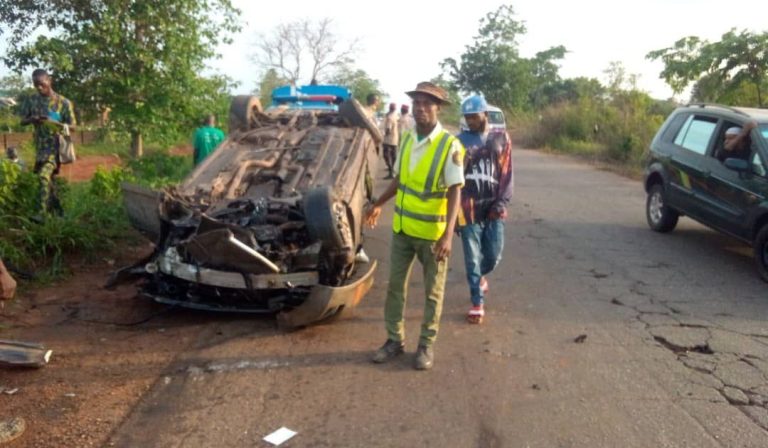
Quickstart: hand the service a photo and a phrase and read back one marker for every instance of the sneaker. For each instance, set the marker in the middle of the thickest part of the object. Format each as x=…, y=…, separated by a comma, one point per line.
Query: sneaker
x=361, y=256
x=475, y=315
x=484, y=285
x=389, y=350
x=425, y=358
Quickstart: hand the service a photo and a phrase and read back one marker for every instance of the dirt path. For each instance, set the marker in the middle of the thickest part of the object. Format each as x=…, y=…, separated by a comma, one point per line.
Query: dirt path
x=109, y=347
x=84, y=168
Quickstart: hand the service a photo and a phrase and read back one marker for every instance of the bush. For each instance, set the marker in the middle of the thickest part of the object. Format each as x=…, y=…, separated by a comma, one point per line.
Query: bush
x=93, y=222
x=90, y=222
x=160, y=169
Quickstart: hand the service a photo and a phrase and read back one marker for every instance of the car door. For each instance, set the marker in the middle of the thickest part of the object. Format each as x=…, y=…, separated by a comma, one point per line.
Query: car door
x=732, y=195
x=687, y=151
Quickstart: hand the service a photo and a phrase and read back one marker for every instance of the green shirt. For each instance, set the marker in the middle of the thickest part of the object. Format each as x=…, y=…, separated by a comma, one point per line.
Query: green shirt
x=46, y=136
x=206, y=140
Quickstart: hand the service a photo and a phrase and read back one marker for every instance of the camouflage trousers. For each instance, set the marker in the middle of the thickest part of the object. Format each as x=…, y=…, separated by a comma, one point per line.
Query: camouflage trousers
x=47, y=198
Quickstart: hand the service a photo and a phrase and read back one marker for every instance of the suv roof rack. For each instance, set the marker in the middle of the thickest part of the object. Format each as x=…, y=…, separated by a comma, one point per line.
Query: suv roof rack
x=722, y=106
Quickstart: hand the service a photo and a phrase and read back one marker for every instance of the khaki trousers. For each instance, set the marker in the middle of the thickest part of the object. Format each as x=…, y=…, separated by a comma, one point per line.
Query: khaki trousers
x=404, y=250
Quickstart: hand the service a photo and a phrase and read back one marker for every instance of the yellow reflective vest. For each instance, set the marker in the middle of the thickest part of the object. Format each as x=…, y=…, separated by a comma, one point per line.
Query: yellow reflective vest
x=421, y=204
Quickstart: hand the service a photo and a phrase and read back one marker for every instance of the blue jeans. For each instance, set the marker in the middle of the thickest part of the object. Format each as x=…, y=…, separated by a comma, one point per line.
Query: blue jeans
x=483, y=243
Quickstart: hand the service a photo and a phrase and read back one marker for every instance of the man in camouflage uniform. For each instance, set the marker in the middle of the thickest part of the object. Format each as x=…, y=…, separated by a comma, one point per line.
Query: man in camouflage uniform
x=51, y=114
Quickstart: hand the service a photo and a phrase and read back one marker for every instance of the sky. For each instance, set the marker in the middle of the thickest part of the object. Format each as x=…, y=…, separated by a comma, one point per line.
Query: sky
x=403, y=42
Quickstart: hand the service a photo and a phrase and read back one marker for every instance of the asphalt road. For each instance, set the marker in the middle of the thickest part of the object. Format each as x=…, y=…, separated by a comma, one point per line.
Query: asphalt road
x=675, y=352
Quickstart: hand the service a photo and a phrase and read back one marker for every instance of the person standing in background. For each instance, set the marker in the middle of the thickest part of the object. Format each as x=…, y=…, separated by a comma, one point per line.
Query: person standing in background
x=391, y=138
x=207, y=139
x=52, y=116
x=405, y=123
x=488, y=188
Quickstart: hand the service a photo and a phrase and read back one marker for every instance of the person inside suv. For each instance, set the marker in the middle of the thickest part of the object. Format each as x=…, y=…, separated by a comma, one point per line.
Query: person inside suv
x=736, y=143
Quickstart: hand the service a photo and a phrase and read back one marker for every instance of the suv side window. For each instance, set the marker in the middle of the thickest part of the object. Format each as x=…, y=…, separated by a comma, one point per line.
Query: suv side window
x=758, y=167
x=696, y=133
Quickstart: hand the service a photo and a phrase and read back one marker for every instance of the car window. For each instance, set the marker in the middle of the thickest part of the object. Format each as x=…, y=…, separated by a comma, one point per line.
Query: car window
x=764, y=131
x=496, y=117
x=674, y=126
x=758, y=166
x=696, y=133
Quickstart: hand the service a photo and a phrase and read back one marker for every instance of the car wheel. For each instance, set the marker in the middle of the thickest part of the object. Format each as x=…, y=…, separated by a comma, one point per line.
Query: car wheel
x=242, y=111
x=760, y=248
x=327, y=219
x=661, y=217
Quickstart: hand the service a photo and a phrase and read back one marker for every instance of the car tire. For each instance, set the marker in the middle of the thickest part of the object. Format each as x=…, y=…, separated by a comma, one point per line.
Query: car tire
x=760, y=249
x=242, y=110
x=326, y=221
x=352, y=111
x=661, y=217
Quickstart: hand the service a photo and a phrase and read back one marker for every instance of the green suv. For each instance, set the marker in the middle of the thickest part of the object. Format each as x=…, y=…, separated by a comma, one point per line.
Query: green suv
x=690, y=172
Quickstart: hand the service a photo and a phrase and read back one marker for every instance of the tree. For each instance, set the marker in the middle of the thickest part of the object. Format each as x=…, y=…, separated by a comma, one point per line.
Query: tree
x=293, y=46
x=723, y=69
x=140, y=58
x=573, y=90
x=449, y=113
x=358, y=81
x=268, y=83
x=493, y=65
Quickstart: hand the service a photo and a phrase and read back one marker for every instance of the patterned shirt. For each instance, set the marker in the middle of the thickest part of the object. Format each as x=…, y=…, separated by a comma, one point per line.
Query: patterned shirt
x=488, y=176
x=46, y=135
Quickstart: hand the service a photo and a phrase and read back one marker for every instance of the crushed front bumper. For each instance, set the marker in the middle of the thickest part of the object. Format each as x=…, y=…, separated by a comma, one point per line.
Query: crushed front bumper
x=320, y=303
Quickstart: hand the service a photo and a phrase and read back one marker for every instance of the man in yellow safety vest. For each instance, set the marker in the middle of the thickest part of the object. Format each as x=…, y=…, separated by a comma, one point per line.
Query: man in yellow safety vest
x=429, y=174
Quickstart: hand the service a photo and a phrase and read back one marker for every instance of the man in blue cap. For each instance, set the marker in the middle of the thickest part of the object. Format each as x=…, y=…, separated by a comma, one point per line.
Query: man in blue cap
x=488, y=188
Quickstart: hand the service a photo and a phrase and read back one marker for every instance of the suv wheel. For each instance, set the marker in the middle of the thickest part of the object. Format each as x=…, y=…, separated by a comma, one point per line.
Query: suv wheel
x=661, y=218
x=760, y=248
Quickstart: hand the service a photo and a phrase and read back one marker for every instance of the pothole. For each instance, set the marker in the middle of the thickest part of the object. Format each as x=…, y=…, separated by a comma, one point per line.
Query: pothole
x=701, y=348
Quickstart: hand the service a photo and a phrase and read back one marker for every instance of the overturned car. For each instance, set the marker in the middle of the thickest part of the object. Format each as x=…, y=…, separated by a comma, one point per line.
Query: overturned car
x=270, y=222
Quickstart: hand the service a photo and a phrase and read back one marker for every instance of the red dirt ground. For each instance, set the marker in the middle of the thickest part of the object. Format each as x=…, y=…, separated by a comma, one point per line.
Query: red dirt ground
x=109, y=347
x=85, y=166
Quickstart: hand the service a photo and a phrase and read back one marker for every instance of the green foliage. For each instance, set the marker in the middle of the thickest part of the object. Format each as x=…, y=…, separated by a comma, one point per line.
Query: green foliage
x=93, y=222
x=142, y=58
x=449, y=113
x=493, y=65
x=358, y=81
x=160, y=169
x=269, y=82
x=90, y=223
x=733, y=70
x=16, y=87
x=615, y=126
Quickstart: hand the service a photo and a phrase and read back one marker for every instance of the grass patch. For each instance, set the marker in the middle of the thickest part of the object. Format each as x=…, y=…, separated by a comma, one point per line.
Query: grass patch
x=94, y=220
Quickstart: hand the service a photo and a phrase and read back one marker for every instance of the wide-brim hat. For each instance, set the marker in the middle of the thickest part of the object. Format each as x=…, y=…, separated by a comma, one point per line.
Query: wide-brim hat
x=432, y=90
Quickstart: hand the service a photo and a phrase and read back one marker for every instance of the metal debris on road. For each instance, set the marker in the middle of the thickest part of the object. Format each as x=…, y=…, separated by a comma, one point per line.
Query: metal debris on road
x=580, y=339
x=23, y=354
x=280, y=436
x=11, y=429
x=10, y=391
